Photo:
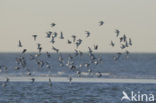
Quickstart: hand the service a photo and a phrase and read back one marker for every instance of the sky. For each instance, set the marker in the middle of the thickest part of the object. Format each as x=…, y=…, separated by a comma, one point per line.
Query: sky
x=20, y=19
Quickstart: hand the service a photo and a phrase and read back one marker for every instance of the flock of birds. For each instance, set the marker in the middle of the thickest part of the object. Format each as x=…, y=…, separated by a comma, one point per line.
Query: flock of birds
x=21, y=61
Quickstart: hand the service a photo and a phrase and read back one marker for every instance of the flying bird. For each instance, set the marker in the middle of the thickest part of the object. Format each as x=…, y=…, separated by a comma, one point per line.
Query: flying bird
x=7, y=80
x=117, y=32
x=28, y=73
x=61, y=35
x=38, y=45
x=53, y=24
x=90, y=50
x=33, y=80
x=52, y=40
x=123, y=46
x=48, y=54
x=95, y=47
x=55, y=49
x=88, y=33
x=79, y=41
x=98, y=74
x=40, y=49
x=17, y=68
x=112, y=44
x=19, y=44
x=24, y=50
x=80, y=53
x=124, y=38
x=48, y=34
x=121, y=39
x=34, y=36
x=101, y=23
x=50, y=83
x=69, y=42
x=127, y=52
x=76, y=52
x=55, y=34
x=74, y=38
x=70, y=79
x=126, y=44
x=130, y=41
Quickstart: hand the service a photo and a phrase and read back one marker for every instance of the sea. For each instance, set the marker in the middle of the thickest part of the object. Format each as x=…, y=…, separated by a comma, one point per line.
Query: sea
x=133, y=66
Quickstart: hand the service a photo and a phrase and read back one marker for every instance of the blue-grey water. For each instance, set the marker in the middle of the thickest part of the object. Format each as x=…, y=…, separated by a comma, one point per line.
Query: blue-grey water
x=25, y=92
x=136, y=66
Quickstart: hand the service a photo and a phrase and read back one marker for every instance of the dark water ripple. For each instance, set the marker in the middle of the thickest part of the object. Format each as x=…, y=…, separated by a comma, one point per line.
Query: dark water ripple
x=41, y=92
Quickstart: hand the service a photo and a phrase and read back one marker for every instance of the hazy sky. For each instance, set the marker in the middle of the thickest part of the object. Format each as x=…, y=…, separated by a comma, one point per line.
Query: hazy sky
x=20, y=19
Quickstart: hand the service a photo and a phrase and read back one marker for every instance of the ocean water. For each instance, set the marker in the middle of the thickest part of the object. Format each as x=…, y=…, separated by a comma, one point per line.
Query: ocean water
x=41, y=92
x=136, y=66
